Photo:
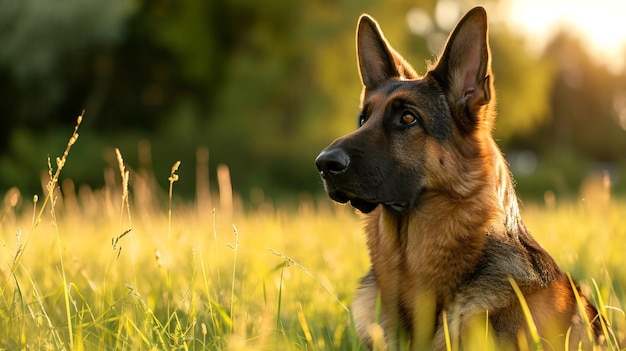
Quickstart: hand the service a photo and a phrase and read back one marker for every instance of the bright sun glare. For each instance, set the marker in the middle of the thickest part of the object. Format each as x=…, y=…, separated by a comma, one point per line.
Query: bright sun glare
x=600, y=24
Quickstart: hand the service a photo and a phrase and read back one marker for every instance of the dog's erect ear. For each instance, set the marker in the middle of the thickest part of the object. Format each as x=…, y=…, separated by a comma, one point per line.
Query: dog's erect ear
x=465, y=64
x=378, y=61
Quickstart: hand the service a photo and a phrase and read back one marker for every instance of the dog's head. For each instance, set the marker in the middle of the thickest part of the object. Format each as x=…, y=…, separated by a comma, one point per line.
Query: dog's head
x=413, y=130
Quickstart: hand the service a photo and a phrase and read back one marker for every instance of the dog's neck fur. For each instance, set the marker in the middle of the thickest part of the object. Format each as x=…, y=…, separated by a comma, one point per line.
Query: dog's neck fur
x=445, y=240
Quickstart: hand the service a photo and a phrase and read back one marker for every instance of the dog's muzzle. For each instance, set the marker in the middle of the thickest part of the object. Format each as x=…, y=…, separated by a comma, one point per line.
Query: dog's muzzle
x=332, y=165
x=342, y=185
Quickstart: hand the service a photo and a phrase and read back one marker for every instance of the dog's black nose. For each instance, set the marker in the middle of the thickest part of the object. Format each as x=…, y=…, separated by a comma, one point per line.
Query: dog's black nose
x=333, y=161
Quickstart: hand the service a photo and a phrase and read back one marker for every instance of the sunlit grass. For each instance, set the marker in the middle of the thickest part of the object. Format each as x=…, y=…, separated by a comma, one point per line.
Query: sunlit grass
x=130, y=267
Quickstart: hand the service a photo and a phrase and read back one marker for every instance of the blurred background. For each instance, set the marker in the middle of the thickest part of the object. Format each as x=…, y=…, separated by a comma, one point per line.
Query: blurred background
x=263, y=86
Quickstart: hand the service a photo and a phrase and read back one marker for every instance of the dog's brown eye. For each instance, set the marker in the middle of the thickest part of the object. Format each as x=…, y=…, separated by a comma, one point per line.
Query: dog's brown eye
x=408, y=118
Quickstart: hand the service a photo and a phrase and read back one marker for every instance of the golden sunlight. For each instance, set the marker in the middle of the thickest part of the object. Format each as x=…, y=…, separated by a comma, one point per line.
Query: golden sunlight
x=598, y=23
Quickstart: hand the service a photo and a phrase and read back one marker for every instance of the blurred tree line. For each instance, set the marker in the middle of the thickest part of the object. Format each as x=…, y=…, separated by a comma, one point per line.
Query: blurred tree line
x=264, y=86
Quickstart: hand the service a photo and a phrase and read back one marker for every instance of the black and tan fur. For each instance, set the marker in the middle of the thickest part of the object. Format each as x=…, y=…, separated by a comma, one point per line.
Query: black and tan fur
x=442, y=222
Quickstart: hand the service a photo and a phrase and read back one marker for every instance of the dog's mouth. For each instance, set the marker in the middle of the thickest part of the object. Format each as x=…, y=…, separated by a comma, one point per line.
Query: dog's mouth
x=365, y=205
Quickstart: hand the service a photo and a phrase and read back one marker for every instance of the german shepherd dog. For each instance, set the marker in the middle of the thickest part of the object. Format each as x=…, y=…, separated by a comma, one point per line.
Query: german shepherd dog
x=446, y=241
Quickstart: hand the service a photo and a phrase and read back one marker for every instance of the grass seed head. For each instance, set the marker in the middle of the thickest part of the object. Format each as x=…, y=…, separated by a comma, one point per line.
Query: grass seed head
x=173, y=176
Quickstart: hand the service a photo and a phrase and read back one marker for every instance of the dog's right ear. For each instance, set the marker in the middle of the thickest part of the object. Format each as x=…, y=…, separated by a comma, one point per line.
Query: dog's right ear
x=378, y=61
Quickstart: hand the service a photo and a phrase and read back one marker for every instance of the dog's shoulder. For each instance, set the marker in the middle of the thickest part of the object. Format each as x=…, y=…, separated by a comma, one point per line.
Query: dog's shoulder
x=515, y=254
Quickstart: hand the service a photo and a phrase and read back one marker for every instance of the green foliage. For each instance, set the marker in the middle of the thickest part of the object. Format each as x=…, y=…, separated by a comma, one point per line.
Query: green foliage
x=523, y=85
x=37, y=34
x=263, y=85
x=40, y=40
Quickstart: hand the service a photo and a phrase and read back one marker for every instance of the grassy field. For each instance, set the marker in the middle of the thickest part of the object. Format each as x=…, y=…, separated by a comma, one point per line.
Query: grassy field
x=129, y=267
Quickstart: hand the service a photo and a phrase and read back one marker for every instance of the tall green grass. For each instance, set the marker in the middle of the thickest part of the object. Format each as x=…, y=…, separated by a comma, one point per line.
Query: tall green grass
x=131, y=267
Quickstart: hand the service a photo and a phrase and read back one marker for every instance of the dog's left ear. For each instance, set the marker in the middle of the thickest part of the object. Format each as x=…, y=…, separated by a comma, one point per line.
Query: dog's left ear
x=464, y=67
x=378, y=61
